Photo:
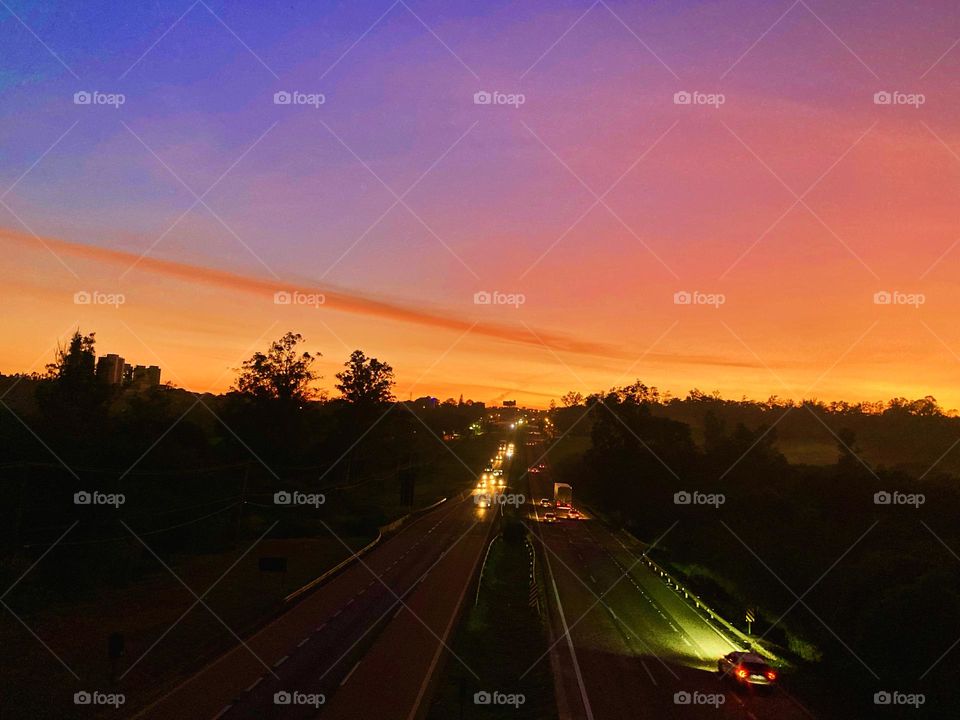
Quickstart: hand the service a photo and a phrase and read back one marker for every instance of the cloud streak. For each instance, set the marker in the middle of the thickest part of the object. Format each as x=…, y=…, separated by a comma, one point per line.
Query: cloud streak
x=340, y=300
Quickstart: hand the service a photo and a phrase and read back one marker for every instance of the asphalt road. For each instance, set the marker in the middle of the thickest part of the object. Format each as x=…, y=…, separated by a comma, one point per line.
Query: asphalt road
x=636, y=648
x=388, y=611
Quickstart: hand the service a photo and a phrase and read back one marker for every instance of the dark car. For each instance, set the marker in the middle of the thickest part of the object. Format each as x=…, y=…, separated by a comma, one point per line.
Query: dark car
x=747, y=668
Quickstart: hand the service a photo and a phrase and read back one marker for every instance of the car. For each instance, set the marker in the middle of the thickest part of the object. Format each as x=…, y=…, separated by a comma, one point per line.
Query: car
x=746, y=668
x=545, y=502
x=550, y=517
x=574, y=514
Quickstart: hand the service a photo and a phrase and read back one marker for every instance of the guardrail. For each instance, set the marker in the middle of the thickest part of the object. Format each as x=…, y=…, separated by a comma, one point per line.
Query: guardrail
x=384, y=530
x=699, y=604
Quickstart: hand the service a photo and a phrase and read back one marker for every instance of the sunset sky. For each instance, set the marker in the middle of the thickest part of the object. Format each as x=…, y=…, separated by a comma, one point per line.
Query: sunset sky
x=796, y=199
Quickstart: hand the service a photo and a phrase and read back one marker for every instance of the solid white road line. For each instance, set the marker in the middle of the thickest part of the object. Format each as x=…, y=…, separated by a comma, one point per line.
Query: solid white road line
x=566, y=632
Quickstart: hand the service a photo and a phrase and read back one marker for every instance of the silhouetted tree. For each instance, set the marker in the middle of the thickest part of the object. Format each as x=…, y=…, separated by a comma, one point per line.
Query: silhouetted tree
x=365, y=381
x=282, y=373
x=572, y=399
x=73, y=366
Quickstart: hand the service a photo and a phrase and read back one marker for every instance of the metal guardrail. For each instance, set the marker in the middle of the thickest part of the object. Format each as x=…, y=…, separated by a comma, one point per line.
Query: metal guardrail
x=385, y=530
x=335, y=569
x=699, y=604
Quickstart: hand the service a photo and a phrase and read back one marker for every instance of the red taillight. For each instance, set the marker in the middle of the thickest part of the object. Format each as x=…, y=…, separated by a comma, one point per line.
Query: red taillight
x=741, y=673
x=771, y=675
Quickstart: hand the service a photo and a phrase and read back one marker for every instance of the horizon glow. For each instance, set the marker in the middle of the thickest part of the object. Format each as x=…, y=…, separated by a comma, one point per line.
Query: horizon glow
x=782, y=210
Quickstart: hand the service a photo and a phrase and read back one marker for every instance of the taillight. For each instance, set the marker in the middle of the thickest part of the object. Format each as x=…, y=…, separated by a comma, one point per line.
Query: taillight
x=771, y=675
x=741, y=673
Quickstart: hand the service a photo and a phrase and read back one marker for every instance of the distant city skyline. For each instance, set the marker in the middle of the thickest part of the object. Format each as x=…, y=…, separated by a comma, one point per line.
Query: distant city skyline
x=511, y=200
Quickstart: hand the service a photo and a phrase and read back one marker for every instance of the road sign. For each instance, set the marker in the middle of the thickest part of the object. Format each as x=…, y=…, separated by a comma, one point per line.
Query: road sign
x=751, y=615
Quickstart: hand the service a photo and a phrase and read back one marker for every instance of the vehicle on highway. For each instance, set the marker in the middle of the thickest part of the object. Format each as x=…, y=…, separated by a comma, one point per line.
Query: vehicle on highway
x=746, y=668
x=574, y=514
x=545, y=502
x=550, y=517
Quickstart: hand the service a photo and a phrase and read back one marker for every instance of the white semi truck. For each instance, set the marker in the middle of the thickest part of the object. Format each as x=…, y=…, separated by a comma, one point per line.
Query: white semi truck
x=562, y=498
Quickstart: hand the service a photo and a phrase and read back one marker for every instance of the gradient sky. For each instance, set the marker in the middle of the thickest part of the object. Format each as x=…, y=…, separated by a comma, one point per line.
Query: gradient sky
x=399, y=198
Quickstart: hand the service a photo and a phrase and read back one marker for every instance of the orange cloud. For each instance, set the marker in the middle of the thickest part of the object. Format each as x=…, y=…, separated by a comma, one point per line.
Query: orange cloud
x=355, y=303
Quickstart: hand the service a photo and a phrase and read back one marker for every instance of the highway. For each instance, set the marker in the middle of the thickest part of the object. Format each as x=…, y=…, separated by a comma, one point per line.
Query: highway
x=379, y=624
x=635, y=648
